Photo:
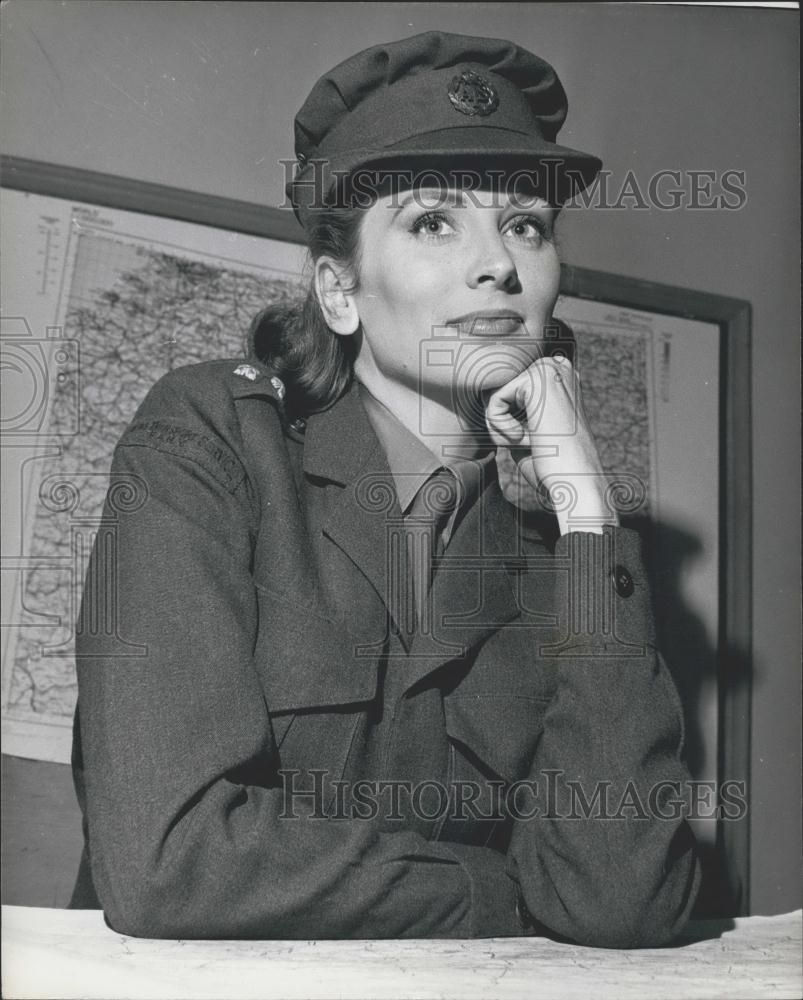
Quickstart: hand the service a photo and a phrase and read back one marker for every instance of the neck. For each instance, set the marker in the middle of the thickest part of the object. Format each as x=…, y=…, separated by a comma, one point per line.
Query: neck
x=429, y=418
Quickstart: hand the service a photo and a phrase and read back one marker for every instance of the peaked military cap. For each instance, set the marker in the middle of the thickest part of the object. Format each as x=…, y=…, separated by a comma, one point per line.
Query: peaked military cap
x=435, y=96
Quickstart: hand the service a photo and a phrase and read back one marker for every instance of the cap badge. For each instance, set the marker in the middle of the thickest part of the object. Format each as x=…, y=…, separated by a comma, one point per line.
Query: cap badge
x=472, y=94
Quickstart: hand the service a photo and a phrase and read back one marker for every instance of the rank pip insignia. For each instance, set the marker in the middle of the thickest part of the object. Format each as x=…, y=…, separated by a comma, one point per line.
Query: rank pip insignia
x=247, y=371
x=472, y=94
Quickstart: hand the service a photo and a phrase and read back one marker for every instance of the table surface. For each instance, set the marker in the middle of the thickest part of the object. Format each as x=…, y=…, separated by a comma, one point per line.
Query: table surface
x=73, y=954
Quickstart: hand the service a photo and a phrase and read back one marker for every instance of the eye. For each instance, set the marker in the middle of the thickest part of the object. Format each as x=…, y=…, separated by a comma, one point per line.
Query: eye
x=529, y=228
x=432, y=224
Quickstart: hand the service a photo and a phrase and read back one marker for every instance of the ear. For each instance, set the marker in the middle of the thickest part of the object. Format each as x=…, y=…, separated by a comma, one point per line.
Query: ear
x=333, y=290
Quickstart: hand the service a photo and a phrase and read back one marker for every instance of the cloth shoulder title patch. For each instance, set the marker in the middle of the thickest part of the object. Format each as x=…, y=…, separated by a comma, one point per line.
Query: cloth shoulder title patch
x=472, y=94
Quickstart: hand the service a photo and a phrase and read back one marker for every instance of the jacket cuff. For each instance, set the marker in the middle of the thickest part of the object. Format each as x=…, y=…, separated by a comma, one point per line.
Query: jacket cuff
x=494, y=893
x=602, y=598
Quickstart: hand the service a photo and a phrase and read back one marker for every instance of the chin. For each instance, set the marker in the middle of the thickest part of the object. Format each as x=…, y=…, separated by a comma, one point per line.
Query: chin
x=484, y=366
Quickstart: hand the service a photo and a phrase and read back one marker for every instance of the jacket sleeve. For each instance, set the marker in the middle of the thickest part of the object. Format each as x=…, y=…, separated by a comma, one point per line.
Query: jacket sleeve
x=610, y=861
x=188, y=834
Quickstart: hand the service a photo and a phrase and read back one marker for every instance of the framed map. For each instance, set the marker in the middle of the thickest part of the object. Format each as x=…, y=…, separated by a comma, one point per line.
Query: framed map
x=108, y=283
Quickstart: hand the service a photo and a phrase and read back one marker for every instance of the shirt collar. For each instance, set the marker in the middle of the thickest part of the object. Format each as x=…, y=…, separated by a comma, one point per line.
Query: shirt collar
x=412, y=463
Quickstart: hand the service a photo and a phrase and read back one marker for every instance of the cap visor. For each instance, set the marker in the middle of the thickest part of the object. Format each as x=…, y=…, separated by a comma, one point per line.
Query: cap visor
x=560, y=171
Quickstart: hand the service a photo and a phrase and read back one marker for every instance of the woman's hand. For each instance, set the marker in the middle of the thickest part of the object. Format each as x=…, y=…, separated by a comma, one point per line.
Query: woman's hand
x=545, y=447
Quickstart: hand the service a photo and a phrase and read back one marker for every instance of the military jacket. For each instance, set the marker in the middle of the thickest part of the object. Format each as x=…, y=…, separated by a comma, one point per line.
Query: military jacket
x=263, y=750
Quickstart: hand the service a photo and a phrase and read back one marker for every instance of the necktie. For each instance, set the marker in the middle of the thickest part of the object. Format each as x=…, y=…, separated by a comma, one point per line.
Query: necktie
x=425, y=524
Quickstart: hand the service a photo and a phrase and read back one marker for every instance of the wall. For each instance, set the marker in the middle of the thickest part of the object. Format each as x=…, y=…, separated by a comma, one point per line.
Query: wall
x=202, y=96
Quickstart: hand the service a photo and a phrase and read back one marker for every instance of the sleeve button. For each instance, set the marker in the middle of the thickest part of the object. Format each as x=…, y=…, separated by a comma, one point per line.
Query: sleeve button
x=623, y=581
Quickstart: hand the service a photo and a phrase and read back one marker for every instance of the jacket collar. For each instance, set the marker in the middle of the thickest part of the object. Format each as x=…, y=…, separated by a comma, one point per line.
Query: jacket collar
x=339, y=440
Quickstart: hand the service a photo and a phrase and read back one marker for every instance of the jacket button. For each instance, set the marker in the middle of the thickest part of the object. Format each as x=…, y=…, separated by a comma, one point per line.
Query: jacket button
x=623, y=581
x=298, y=425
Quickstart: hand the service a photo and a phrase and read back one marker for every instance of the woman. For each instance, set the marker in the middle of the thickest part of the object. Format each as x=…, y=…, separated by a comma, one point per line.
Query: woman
x=365, y=697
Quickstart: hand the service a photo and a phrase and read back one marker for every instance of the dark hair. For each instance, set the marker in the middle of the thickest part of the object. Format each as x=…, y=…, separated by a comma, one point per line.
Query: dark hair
x=315, y=364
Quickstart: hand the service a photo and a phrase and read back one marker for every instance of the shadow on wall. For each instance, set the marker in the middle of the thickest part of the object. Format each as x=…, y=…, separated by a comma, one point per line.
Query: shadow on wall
x=695, y=664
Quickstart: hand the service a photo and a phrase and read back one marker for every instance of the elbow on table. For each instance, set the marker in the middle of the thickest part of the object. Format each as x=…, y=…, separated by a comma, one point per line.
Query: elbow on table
x=626, y=920
x=147, y=914
x=640, y=899
x=619, y=909
x=158, y=906
x=182, y=902
x=623, y=930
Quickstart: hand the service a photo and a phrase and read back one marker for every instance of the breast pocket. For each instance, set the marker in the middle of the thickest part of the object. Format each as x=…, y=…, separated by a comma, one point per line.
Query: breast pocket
x=496, y=733
x=306, y=661
x=493, y=739
x=316, y=687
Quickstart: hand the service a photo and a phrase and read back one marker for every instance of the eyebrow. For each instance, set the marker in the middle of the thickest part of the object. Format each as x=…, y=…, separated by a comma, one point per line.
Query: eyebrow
x=454, y=198
x=533, y=202
x=444, y=200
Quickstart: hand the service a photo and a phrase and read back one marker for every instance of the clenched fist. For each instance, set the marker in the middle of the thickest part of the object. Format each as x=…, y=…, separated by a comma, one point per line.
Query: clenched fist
x=545, y=448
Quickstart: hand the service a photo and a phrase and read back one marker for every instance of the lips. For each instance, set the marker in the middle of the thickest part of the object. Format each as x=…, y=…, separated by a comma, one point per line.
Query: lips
x=489, y=323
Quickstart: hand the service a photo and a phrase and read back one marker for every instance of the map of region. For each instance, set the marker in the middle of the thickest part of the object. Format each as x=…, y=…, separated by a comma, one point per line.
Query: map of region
x=136, y=313
x=615, y=377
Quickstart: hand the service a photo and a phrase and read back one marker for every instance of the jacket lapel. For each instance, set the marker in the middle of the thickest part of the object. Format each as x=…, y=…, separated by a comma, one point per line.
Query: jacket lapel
x=341, y=448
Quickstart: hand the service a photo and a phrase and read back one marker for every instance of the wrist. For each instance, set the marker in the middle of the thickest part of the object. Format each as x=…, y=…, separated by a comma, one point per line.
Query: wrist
x=596, y=525
x=586, y=513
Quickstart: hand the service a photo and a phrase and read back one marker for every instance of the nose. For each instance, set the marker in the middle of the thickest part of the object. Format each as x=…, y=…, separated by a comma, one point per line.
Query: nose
x=494, y=266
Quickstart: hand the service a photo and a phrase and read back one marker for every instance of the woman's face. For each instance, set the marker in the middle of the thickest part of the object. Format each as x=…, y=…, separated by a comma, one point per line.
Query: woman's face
x=455, y=288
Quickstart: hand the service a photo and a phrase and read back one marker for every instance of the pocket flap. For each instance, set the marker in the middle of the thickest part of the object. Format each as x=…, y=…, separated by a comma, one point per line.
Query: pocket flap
x=499, y=730
x=305, y=661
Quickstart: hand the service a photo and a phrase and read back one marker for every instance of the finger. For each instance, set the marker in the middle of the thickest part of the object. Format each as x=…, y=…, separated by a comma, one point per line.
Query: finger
x=499, y=415
x=504, y=428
